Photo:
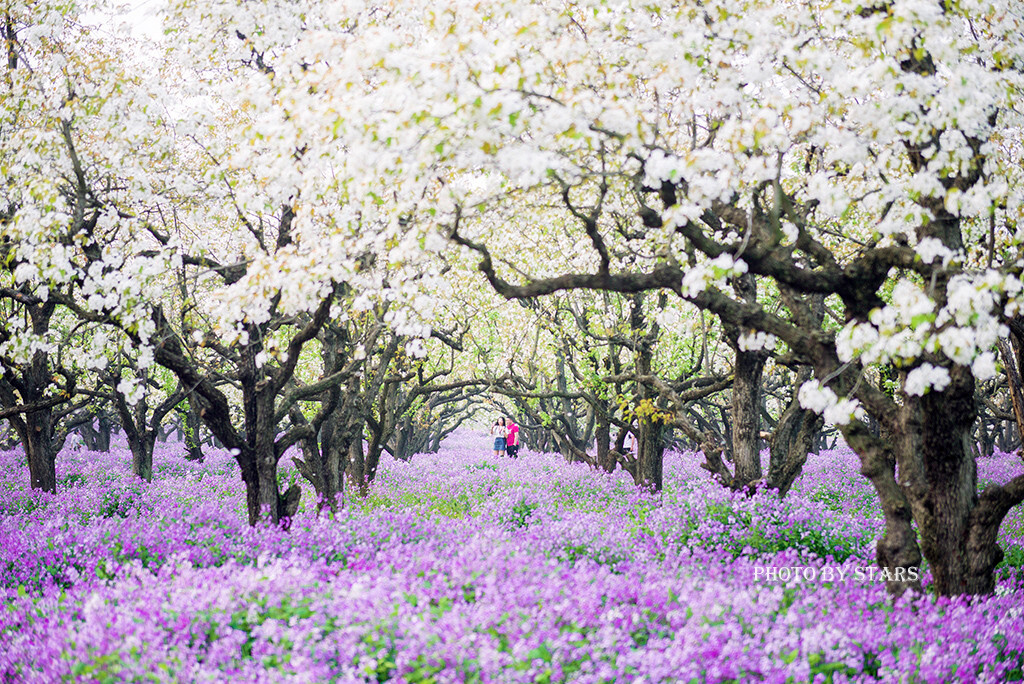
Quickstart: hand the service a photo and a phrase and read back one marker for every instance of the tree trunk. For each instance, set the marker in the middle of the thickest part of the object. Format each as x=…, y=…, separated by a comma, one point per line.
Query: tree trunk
x=650, y=456
x=140, y=442
x=726, y=420
x=794, y=437
x=403, y=439
x=746, y=415
x=567, y=411
x=262, y=494
x=605, y=459
x=897, y=549
x=373, y=451
x=258, y=460
x=89, y=435
x=36, y=432
x=104, y=429
x=247, y=464
x=939, y=470
x=322, y=467
x=193, y=439
x=268, y=494
x=544, y=442
x=650, y=445
x=325, y=464
x=569, y=451
x=1014, y=383
x=411, y=437
x=96, y=435
x=435, y=440
x=141, y=447
x=335, y=456
x=261, y=430
x=356, y=468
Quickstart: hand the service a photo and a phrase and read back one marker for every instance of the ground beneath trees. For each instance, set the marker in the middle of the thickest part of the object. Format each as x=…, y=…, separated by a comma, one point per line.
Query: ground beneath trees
x=464, y=567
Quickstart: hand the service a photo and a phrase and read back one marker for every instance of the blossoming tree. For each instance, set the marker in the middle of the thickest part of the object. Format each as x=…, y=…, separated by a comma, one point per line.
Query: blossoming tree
x=764, y=162
x=863, y=153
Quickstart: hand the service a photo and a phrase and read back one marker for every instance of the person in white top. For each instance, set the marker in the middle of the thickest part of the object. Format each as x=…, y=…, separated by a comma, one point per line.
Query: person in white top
x=498, y=431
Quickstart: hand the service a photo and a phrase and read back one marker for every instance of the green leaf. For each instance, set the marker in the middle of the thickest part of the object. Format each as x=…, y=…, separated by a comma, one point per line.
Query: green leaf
x=921, y=319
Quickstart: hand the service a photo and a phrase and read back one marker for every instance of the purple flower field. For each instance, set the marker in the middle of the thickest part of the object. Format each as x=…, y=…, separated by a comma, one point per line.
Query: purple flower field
x=463, y=567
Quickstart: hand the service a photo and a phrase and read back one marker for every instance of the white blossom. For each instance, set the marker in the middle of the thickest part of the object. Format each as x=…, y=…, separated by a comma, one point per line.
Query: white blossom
x=925, y=378
x=931, y=248
x=984, y=366
x=133, y=389
x=755, y=340
x=716, y=273
x=814, y=396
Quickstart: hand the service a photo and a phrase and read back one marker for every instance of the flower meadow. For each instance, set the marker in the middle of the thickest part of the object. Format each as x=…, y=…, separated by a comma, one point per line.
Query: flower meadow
x=463, y=567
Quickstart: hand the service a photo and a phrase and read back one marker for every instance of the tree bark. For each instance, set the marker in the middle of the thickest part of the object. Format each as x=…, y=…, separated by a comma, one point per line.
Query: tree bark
x=250, y=478
x=96, y=437
x=342, y=428
x=650, y=445
x=334, y=450
x=938, y=469
x=268, y=494
x=746, y=415
x=37, y=428
x=650, y=456
x=356, y=469
x=193, y=439
x=567, y=449
x=794, y=437
x=261, y=429
x=898, y=548
x=1013, y=378
x=605, y=459
x=36, y=432
x=141, y=446
x=104, y=428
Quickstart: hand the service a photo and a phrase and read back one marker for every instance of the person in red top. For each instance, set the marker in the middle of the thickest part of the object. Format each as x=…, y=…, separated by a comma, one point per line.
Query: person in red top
x=512, y=438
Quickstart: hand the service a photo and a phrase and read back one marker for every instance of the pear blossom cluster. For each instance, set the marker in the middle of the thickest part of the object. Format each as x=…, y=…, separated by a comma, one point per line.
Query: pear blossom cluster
x=754, y=340
x=815, y=396
x=963, y=331
x=714, y=273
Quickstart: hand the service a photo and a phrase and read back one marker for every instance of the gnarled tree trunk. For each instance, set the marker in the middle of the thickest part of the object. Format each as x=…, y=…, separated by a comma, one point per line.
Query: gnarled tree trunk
x=37, y=437
x=141, y=447
x=746, y=415
x=793, y=438
x=605, y=459
x=938, y=470
x=650, y=455
x=96, y=436
x=193, y=439
x=356, y=471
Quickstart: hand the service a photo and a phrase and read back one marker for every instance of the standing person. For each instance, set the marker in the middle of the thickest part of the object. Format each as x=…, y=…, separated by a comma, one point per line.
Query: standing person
x=499, y=431
x=512, y=440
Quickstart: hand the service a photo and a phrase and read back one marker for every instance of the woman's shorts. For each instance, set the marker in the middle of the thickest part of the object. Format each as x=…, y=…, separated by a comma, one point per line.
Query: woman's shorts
x=499, y=443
